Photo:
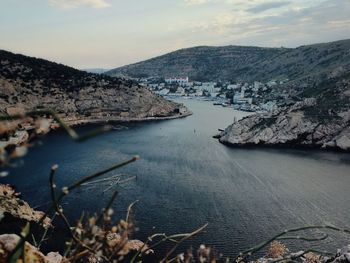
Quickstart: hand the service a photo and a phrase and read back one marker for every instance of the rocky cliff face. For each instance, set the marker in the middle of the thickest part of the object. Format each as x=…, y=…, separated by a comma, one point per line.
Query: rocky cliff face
x=237, y=63
x=31, y=84
x=322, y=121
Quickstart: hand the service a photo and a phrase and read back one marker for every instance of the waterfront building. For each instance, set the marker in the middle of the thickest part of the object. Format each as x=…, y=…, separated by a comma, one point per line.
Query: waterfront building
x=180, y=81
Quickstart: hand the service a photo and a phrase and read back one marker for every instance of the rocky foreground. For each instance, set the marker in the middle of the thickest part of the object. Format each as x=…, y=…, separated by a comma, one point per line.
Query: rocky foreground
x=320, y=121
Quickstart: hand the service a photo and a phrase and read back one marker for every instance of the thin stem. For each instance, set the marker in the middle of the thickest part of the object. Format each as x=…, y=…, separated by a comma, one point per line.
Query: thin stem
x=93, y=176
x=292, y=258
x=108, y=206
x=129, y=211
x=325, y=236
x=60, y=212
x=182, y=240
x=71, y=132
x=252, y=250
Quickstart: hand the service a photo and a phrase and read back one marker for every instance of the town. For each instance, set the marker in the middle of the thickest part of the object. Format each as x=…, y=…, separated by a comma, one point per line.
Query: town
x=252, y=97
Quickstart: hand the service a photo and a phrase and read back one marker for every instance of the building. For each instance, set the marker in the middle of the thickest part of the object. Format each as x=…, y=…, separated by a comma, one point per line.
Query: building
x=180, y=91
x=163, y=92
x=269, y=106
x=232, y=86
x=257, y=86
x=271, y=83
x=180, y=81
x=208, y=86
x=238, y=98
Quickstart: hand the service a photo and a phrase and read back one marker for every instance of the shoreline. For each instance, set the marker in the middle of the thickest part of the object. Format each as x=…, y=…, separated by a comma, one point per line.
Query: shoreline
x=22, y=136
x=281, y=146
x=79, y=122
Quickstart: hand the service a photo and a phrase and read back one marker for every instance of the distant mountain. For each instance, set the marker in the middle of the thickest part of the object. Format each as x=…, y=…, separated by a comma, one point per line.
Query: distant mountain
x=96, y=70
x=28, y=83
x=237, y=63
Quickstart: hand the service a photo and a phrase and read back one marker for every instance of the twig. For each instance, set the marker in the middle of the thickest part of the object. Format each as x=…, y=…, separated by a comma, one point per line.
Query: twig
x=108, y=206
x=182, y=240
x=66, y=190
x=129, y=211
x=325, y=236
x=292, y=257
x=71, y=132
x=60, y=212
x=252, y=250
x=93, y=176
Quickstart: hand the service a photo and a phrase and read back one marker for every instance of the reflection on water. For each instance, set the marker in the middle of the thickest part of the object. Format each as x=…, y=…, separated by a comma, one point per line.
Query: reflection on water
x=186, y=178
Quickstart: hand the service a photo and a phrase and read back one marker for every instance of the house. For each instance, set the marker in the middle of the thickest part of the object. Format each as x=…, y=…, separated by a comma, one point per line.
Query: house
x=232, y=86
x=180, y=81
x=269, y=106
x=257, y=86
x=163, y=92
x=180, y=91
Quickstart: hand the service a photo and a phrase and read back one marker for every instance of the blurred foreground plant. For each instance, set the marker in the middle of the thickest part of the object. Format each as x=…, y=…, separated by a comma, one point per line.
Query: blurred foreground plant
x=97, y=238
x=93, y=239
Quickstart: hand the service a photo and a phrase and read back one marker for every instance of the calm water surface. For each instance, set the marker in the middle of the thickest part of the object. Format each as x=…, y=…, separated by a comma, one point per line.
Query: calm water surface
x=185, y=178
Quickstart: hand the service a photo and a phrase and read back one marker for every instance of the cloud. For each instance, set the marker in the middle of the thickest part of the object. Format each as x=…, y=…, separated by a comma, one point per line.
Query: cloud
x=195, y=2
x=291, y=25
x=267, y=6
x=70, y=4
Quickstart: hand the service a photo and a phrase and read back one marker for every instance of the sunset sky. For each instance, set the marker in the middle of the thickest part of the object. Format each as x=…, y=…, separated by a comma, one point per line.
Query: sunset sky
x=111, y=33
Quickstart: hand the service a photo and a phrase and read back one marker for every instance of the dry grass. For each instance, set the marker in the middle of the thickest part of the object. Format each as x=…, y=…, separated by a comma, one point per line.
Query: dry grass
x=276, y=250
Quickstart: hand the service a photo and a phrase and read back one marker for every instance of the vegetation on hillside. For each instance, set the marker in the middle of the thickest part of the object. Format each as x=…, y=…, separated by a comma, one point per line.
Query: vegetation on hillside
x=237, y=63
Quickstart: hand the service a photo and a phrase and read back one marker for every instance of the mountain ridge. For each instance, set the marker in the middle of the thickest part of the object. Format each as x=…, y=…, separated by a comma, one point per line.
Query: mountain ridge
x=240, y=63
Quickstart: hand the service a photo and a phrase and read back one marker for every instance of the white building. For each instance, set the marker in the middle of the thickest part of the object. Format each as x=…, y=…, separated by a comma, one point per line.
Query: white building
x=180, y=81
x=239, y=99
x=257, y=85
x=269, y=106
x=163, y=92
x=180, y=91
x=271, y=83
x=208, y=86
x=242, y=92
x=214, y=94
x=232, y=86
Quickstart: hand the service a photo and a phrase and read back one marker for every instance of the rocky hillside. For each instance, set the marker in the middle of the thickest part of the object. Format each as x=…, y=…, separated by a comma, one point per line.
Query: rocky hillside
x=320, y=120
x=28, y=83
x=237, y=63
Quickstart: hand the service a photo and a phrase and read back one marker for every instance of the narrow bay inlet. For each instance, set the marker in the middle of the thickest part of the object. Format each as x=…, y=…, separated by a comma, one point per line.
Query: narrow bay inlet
x=175, y=131
x=185, y=179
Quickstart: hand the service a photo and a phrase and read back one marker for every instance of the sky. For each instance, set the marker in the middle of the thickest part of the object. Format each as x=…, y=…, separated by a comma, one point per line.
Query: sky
x=112, y=33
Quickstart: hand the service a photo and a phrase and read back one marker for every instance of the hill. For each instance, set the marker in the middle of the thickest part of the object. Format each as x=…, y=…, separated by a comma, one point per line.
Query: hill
x=28, y=83
x=239, y=63
x=95, y=70
x=321, y=119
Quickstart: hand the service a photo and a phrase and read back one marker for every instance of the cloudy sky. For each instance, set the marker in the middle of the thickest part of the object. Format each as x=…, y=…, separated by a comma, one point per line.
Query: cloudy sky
x=111, y=33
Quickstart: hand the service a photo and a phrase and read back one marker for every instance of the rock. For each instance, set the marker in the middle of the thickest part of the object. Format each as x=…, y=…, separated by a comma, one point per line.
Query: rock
x=342, y=256
x=320, y=122
x=343, y=140
x=8, y=242
x=77, y=97
x=10, y=203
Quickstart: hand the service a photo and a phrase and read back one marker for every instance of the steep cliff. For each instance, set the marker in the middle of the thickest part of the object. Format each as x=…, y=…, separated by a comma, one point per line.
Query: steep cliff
x=322, y=120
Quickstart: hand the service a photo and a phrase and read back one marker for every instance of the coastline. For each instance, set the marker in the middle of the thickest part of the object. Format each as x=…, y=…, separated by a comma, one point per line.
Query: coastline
x=280, y=146
x=21, y=137
x=83, y=121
